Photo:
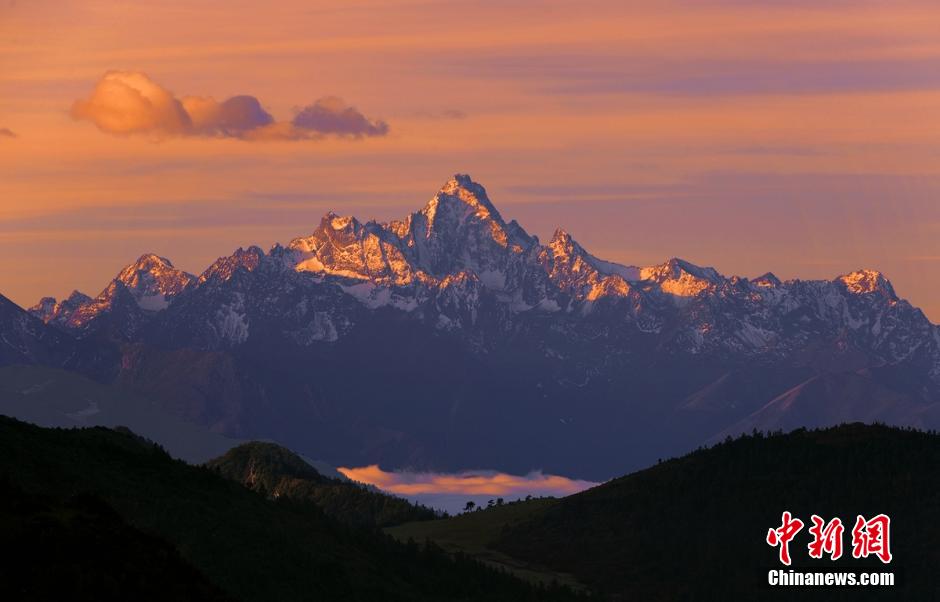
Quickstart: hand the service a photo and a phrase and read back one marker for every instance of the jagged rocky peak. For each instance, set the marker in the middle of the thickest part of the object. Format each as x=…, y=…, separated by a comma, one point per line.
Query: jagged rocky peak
x=224, y=267
x=461, y=202
x=567, y=262
x=865, y=282
x=45, y=309
x=562, y=244
x=565, y=248
x=334, y=231
x=76, y=298
x=458, y=229
x=152, y=274
x=343, y=246
x=682, y=278
x=768, y=280
x=337, y=225
x=49, y=310
x=567, y=254
x=572, y=269
x=461, y=193
x=151, y=280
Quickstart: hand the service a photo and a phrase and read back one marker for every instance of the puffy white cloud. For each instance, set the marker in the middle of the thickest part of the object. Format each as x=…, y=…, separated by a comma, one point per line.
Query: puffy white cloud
x=128, y=102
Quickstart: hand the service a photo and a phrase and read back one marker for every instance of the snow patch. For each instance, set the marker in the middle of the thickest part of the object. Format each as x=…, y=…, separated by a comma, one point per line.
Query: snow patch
x=320, y=328
x=156, y=302
x=754, y=336
x=494, y=279
x=374, y=296
x=231, y=323
x=609, y=268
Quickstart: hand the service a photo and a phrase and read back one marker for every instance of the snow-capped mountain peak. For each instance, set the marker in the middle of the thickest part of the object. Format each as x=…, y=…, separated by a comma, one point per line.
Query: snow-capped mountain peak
x=152, y=281
x=768, y=280
x=460, y=210
x=864, y=282
x=682, y=278
x=458, y=229
x=45, y=309
x=572, y=267
x=51, y=311
x=223, y=268
x=462, y=192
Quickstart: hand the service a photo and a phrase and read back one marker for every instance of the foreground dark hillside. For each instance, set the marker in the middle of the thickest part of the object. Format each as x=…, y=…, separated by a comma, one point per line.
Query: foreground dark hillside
x=80, y=549
x=249, y=547
x=693, y=528
x=277, y=472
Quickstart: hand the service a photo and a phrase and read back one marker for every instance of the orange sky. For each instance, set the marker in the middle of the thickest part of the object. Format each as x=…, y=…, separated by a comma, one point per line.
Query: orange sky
x=799, y=137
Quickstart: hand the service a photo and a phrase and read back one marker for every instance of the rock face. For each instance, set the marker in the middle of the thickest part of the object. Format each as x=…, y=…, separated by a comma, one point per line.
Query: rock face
x=453, y=339
x=24, y=339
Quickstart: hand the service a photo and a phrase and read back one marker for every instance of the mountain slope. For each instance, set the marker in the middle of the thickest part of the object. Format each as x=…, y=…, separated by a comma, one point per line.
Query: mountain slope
x=277, y=472
x=825, y=399
x=24, y=339
x=88, y=553
x=250, y=547
x=52, y=397
x=693, y=528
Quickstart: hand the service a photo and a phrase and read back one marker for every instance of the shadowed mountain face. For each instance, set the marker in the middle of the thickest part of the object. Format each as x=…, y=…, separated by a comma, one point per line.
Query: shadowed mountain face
x=453, y=339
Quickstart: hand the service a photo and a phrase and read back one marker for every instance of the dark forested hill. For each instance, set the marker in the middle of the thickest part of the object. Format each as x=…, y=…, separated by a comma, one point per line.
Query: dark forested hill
x=245, y=545
x=694, y=528
x=80, y=549
x=278, y=472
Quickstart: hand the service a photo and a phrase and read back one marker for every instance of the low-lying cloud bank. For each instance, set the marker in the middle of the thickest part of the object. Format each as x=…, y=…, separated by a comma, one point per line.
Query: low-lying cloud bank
x=128, y=102
x=468, y=483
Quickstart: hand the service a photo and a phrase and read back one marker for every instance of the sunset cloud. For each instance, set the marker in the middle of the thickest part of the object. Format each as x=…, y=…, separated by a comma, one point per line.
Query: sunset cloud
x=468, y=483
x=125, y=102
x=128, y=102
x=331, y=115
x=232, y=117
x=7, y=133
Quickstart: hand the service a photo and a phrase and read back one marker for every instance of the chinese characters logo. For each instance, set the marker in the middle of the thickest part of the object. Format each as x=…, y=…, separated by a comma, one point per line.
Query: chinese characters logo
x=869, y=537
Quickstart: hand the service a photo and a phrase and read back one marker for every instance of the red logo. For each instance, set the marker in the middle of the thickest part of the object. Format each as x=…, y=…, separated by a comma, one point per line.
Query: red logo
x=782, y=535
x=869, y=537
x=827, y=538
x=872, y=537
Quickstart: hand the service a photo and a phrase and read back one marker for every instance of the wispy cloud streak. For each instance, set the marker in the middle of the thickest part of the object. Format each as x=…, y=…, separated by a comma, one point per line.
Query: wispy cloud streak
x=469, y=483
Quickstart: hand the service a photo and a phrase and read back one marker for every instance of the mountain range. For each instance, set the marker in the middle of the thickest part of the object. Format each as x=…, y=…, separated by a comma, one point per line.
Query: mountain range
x=452, y=338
